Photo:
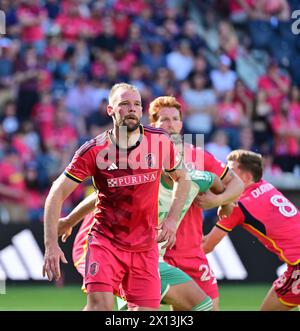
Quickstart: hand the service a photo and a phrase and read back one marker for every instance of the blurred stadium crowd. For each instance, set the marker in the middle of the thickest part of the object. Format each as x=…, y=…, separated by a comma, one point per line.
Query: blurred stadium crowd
x=234, y=65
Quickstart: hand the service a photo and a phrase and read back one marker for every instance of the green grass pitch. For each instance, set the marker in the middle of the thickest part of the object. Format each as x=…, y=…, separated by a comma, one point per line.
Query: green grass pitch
x=70, y=298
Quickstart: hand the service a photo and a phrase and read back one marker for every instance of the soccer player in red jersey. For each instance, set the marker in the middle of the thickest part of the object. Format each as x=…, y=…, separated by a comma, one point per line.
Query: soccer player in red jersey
x=267, y=214
x=126, y=166
x=177, y=288
x=187, y=253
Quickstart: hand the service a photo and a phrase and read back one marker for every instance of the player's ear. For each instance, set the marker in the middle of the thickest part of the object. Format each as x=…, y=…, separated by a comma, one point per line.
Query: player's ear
x=110, y=111
x=246, y=177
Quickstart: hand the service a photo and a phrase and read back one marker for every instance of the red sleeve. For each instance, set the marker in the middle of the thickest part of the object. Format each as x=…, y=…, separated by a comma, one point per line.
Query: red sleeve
x=236, y=218
x=83, y=164
x=171, y=158
x=215, y=166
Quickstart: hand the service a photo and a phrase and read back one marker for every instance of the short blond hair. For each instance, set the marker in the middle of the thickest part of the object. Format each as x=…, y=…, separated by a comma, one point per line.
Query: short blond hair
x=161, y=102
x=118, y=86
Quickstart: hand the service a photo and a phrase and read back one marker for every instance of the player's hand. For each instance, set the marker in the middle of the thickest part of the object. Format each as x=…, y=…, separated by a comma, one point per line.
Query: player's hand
x=167, y=232
x=225, y=211
x=64, y=229
x=207, y=200
x=52, y=258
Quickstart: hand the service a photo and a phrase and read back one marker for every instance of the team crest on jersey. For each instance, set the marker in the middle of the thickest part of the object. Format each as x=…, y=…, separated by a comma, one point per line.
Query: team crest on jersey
x=150, y=160
x=94, y=268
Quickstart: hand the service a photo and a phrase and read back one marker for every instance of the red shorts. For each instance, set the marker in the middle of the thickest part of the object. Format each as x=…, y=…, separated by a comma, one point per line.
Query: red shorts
x=287, y=286
x=197, y=268
x=79, y=262
x=107, y=267
x=81, y=244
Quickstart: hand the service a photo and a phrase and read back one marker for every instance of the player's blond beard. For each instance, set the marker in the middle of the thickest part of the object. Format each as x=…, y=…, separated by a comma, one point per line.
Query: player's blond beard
x=131, y=128
x=121, y=122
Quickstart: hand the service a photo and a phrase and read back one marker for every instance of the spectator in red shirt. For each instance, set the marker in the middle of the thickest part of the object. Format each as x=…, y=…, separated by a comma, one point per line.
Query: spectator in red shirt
x=230, y=118
x=275, y=84
x=121, y=22
x=43, y=114
x=286, y=138
x=130, y=7
x=294, y=109
x=55, y=49
x=62, y=134
x=72, y=24
x=244, y=96
x=240, y=9
x=31, y=17
x=12, y=187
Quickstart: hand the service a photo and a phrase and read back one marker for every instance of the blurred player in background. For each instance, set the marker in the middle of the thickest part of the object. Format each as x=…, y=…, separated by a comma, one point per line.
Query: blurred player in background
x=122, y=245
x=187, y=253
x=267, y=214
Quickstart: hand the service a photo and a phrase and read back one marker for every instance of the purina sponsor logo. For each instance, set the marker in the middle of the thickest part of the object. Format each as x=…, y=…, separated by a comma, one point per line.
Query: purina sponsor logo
x=132, y=180
x=22, y=260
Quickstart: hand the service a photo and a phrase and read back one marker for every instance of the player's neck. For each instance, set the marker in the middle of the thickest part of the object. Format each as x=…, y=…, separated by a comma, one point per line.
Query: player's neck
x=248, y=184
x=126, y=139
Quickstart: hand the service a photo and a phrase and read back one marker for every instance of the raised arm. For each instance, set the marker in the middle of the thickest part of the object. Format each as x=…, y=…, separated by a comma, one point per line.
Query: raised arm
x=59, y=191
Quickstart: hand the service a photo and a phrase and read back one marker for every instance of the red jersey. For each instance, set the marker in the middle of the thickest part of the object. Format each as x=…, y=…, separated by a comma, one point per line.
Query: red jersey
x=263, y=211
x=127, y=181
x=190, y=232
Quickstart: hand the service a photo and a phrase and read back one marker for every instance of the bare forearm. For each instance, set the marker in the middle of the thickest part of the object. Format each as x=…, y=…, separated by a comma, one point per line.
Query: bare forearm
x=59, y=191
x=233, y=190
x=180, y=193
x=82, y=209
x=53, y=206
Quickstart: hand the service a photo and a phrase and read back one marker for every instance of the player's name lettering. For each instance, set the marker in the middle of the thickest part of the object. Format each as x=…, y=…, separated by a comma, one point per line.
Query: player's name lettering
x=122, y=321
x=261, y=190
x=132, y=180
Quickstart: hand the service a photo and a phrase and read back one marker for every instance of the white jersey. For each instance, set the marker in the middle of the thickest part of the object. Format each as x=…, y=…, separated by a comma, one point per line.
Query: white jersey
x=201, y=182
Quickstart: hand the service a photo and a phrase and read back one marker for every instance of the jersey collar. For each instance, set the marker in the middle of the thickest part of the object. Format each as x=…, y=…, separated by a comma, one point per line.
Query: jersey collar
x=113, y=141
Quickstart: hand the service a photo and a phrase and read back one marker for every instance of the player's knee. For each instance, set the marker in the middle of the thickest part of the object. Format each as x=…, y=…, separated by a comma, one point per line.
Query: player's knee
x=95, y=302
x=205, y=305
